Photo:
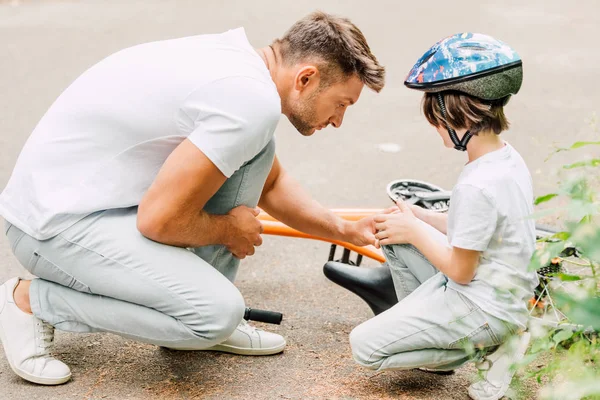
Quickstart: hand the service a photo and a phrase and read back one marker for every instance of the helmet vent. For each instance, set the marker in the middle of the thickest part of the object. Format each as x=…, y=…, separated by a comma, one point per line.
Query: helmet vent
x=429, y=57
x=472, y=47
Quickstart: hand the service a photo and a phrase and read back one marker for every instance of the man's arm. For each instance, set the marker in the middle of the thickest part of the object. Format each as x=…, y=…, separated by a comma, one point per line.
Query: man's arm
x=171, y=211
x=284, y=199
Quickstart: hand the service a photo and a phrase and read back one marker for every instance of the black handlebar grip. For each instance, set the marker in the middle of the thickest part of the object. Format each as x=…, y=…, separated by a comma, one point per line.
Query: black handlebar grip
x=270, y=317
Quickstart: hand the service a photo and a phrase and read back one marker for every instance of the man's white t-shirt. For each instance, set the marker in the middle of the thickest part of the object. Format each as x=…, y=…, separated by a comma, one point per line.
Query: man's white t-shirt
x=102, y=142
x=490, y=211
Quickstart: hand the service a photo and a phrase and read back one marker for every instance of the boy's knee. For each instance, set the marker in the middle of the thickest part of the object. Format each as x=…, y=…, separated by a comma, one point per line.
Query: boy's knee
x=362, y=351
x=398, y=250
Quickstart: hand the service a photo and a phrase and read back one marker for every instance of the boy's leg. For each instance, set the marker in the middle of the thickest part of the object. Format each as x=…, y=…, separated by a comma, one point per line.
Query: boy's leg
x=409, y=267
x=430, y=328
x=244, y=187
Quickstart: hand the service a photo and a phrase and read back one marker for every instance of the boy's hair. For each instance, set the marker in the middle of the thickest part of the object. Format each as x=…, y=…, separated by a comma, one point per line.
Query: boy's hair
x=466, y=112
x=337, y=46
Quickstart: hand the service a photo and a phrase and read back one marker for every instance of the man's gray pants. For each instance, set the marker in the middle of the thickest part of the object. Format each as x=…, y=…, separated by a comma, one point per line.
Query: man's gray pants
x=102, y=275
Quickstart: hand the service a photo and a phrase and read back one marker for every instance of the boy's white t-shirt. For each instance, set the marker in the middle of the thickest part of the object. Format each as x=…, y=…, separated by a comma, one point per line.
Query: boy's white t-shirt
x=102, y=142
x=490, y=211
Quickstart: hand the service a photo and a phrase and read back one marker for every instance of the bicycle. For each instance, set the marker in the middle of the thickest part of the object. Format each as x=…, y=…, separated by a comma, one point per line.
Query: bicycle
x=375, y=286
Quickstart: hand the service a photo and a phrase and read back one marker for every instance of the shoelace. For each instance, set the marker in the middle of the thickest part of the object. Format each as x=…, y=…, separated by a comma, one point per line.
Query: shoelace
x=46, y=337
x=482, y=361
x=485, y=364
x=486, y=387
x=245, y=326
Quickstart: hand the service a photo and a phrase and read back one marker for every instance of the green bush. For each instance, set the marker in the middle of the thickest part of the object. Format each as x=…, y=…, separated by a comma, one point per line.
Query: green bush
x=571, y=350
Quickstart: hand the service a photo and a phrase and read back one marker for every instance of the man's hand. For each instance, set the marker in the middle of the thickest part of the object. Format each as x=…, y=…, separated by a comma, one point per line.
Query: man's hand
x=396, y=225
x=246, y=231
x=361, y=232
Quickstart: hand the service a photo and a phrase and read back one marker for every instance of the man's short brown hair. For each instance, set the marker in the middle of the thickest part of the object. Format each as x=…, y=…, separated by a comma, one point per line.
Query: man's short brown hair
x=465, y=112
x=336, y=45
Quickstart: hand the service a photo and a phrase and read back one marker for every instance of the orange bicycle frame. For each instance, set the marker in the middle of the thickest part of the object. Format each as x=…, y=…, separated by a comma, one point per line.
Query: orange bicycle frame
x=275, y=227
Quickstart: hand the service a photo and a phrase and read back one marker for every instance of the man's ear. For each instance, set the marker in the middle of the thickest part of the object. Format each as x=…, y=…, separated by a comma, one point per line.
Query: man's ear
x=307, y=76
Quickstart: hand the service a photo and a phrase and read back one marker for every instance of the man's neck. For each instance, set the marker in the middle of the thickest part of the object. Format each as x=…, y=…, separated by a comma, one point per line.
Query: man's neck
x=273, y=64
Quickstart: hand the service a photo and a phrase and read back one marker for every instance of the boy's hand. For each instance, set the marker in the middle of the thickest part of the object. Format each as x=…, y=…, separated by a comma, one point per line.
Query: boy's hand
x=396, y=227
x=417, y=211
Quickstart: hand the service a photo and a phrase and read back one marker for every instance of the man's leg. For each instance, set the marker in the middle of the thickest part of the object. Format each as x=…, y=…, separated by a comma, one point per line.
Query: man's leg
x=409, y=267
x=102, y=275
x=430, y=328
x=244, y=187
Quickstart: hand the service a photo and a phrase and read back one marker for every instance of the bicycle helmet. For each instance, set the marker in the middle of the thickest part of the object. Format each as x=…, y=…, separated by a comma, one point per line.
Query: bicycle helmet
x=471, y=63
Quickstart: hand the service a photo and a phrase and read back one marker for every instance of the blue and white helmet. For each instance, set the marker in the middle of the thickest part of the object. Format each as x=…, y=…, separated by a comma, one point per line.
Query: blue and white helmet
x=471, y=63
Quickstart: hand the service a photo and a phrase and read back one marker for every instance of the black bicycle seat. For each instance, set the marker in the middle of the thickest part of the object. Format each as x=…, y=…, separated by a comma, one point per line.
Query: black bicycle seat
x=373, y=285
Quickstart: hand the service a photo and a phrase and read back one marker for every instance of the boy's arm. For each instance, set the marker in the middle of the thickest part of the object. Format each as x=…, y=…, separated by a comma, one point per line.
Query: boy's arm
x=436, y=219
x=475, y=219
x=456, y=263
x=403, y=226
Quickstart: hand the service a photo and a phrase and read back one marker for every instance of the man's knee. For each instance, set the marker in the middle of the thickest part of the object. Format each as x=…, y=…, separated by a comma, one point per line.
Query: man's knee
x=215, y=322
x=362, y=349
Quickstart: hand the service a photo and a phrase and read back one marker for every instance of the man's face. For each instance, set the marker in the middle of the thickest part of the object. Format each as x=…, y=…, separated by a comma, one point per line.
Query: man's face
x=316, y=107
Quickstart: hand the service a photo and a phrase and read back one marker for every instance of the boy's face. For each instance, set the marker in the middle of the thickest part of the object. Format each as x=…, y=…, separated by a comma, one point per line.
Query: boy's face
x=443, y=132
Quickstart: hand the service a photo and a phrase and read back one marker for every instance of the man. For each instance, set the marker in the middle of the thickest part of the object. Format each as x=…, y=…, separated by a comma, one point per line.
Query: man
x=135, y=197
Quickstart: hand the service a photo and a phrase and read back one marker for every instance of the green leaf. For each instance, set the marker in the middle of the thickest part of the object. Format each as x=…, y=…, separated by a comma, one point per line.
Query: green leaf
x=562, y=335
x=568, y=277
x=543, y=199
x=542, y=257
x=585, y=311
x=577, y=188
x=544, y=213
x=561, y=236
x=579, y=209
x=577, y=145
x=588, y=163
x=539, y=345
x=587, y=239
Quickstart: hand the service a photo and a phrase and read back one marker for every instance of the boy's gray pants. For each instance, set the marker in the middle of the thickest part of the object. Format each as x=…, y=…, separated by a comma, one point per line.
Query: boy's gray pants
x=432, y=326
x=102, y=275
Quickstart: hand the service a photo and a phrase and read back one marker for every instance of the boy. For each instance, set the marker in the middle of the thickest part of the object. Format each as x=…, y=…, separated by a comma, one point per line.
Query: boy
x=461, y=278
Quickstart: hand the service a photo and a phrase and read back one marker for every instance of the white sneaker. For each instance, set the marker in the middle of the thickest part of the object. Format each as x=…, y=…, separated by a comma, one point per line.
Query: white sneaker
x=249, y=341
x=27, y=341
x=499, y=372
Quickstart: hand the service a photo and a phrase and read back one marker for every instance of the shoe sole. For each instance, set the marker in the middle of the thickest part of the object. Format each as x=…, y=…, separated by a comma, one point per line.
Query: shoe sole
x=244, y=351
x=437, y=371
x=506, y=384
x=28, y=377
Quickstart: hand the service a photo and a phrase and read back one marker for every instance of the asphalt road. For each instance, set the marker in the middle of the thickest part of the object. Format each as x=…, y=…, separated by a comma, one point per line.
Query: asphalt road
x=44, y=45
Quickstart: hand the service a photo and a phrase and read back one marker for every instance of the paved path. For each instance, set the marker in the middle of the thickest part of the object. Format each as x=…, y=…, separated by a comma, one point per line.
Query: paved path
x=46, y=44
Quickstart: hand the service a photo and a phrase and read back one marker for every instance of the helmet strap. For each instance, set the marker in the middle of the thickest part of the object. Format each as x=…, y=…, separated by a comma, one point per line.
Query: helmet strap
x=458, y=144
